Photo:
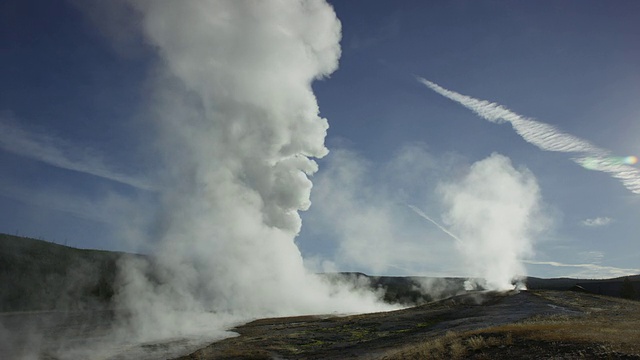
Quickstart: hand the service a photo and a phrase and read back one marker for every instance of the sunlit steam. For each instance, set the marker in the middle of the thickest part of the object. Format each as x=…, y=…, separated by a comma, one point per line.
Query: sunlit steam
x=494, y=211
x=238, y=130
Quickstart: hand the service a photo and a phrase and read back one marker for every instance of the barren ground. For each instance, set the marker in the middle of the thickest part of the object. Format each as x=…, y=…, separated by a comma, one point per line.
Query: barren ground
x=533, y=325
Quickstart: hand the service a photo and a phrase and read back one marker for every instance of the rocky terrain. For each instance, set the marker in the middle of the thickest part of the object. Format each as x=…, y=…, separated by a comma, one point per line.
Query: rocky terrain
x=523, y=325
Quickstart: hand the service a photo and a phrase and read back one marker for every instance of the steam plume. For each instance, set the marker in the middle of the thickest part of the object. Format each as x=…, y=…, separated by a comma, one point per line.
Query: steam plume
x=362, y=208
x=546, y=137
x=494, y=211
x=239, y=129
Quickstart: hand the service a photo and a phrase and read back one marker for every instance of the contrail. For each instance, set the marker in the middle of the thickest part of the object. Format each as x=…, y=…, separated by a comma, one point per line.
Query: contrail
x=545, y=136
x=423, y=215
x=57, y=152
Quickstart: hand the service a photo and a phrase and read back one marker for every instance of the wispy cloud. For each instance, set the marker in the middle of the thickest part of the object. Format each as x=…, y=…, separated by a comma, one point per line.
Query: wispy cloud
x=592, y=256
x=593, y=270
x=58, y=152
x=599, y=221
x=546, y=137
x=104, y=208
x=628, y=175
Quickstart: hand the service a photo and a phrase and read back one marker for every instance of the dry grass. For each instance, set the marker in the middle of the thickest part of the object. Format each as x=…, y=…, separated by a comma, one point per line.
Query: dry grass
x=457, y=349
x=622, y=335
x=476, y=342
x=451, y=346
x=611, y=325
x=615, y=326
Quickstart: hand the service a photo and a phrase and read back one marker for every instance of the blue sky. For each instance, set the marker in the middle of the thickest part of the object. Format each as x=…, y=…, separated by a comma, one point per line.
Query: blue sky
x=72, y=93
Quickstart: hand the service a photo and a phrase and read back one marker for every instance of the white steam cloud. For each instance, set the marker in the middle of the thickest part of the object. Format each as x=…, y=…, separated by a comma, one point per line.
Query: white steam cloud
x=494, y=211
x=239, y=129
x=546, y=137
x=360, y=207
x=490, y=216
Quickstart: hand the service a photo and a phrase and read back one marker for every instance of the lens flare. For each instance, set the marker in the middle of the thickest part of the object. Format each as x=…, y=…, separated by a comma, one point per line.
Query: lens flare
x=631, y=160
x=598, y=163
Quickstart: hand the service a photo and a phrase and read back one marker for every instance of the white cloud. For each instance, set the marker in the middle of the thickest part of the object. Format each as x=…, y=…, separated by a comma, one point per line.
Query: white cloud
x=597, y=222
x=546, y=137
x=594, y=257
x=588, y=270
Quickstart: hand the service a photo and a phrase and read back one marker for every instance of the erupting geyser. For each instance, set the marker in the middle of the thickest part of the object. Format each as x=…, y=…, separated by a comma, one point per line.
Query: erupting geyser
x=238, y=130
x=494, y=212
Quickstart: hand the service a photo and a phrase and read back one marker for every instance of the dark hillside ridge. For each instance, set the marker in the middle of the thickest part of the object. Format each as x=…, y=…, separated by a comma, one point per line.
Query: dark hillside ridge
x=406, y=290
x=38, y=275
x=608, y=287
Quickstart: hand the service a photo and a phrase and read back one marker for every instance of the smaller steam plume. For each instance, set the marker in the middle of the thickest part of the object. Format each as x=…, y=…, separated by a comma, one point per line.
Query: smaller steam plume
x=494, y=211
x=491, y=214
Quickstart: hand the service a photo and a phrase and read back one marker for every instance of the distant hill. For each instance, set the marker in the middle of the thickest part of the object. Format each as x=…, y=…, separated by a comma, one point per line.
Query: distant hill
x=421, y=289
x=609, y=287
x=406, y=290
x=39, y=275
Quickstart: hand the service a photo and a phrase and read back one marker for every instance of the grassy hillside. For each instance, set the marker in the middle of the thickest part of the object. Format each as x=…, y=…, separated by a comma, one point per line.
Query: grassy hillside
x=37, y=275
